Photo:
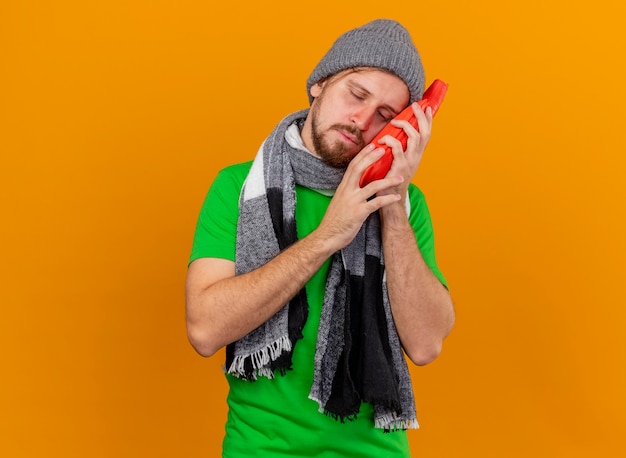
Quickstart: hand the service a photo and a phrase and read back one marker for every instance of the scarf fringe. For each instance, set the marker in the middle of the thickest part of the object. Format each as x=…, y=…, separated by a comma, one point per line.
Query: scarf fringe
x=321, y=409
x=340, y=418
x=260, y=360
x=390, y=423
x=320, y=406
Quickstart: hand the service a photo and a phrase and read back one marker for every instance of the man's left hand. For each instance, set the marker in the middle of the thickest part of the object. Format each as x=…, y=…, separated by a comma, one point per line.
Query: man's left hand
x=405, y=163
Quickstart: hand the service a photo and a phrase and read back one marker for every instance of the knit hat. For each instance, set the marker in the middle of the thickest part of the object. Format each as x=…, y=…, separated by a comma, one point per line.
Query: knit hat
x=382, y=43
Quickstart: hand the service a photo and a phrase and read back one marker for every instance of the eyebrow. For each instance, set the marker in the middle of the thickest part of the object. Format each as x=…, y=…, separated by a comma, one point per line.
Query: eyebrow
x=358, y=86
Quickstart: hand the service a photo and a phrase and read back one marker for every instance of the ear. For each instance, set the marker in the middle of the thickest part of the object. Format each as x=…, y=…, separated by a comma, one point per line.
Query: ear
x=316, y=89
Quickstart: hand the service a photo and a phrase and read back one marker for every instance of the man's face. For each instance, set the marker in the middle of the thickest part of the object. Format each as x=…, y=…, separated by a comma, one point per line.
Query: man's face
x=348, y=111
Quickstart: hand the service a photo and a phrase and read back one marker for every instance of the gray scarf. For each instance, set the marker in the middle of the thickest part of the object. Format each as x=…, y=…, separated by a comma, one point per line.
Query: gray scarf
x=358, y=354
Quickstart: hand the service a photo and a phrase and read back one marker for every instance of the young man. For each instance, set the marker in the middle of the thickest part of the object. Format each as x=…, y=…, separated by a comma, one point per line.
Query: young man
x=318, y=287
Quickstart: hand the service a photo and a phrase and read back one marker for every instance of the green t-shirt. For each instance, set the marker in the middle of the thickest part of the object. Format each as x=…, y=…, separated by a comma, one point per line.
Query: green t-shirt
x=275, y=418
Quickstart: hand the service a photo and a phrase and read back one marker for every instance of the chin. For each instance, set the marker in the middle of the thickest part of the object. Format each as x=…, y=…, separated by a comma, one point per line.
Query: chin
x=337, y=161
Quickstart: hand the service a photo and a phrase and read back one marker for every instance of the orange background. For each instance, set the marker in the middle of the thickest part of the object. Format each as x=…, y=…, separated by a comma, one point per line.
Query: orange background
x=115, y=117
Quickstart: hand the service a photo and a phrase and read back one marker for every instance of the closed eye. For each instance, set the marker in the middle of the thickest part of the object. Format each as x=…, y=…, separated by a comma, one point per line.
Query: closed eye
x=357, y=95
x=386, y=117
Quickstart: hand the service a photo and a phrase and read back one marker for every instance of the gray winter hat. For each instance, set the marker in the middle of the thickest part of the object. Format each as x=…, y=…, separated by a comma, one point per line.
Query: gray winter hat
x=382, y=43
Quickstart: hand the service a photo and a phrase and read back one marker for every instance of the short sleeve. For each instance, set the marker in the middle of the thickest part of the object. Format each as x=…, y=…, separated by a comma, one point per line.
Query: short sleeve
x=421, y=223
x=216, y=229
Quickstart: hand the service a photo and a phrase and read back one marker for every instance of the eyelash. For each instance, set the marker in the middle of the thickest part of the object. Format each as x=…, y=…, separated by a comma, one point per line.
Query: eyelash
x=384, y=118
x=357, y=96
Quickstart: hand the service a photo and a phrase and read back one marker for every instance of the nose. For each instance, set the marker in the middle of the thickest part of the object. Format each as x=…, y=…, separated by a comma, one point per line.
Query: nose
x=362, y=118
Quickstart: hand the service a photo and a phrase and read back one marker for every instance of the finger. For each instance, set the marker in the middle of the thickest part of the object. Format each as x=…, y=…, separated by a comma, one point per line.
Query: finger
x=378, y=202
x=429, y=114
x=382, y=184
x=357, y=166
x=392, y=141
x=424, y=120
x=411, y=131
x=366, y=157
x=397, y=149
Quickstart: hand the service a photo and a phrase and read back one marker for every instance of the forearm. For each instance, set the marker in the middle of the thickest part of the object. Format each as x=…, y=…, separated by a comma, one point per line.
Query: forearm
x=421, y=306
x=226, y=310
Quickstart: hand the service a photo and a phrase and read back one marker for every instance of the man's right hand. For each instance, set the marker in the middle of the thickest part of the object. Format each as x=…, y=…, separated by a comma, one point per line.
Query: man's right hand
x=351, y=204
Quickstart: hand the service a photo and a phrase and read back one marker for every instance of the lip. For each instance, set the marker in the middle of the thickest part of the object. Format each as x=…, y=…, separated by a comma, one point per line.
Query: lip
x=348, y=136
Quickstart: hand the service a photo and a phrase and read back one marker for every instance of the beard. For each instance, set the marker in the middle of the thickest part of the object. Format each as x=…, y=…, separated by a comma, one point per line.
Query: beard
x=337, y=154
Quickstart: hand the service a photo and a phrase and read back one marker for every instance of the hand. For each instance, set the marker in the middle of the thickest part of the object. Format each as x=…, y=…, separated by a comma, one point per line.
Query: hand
x=351, y=204
x=405, y=163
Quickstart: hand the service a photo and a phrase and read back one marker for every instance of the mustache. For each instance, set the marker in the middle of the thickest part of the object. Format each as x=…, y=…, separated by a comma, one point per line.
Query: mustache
x=351, y=130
